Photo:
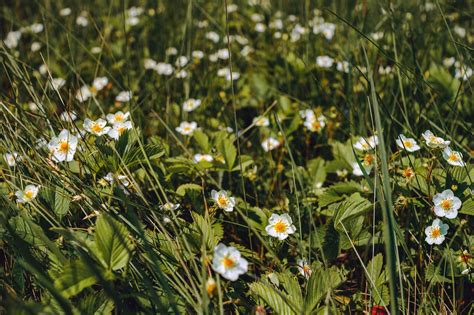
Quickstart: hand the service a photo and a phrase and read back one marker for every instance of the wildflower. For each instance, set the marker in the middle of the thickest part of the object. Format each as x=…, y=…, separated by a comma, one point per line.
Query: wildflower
x=433, y=141
x=223, y=201
x=449, y=62
x=169, y=206
x=36, y=28
x=436, y=232
x=118, y=129
x=35, y=46
x=181, y=74
x=408, y=173
x=261, y=121
x=364, y=144
x=68, y=116
x=260, y=27
x=304, y=268
x=202, y=158
x=164, y=68
x=181, y=61
x=191, y=104
x=210, y=286
x=171, y=51
x=228, y=262
x=63, y=147
x=357, y=171
x=12, y=158
x=342, y=66
x=197, y=54
x=385, y=70
x=57, y=83
x=97, y=127
x=213, y=36
x=12, y=39
x=29, y=193
x=99, y=83
x=324, y=61
x=255, y=17
x=149, y=64
x=446, y=204
x=314, y=124
x=270, y=144
x=229, y=76
x=408, y=144
x=124, y=96
x=65, y=12
x=118, y=117
x=82, y=20
x=186, y=128
x=280, y=226
x=453, y=157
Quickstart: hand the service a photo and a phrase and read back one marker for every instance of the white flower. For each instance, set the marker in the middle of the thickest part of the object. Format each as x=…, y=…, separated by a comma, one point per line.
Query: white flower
x=29, y=193
x=57, y=83
x=270, y=143
x=225, y=72
x=132, y=20
x=12, y=158
x=365, y=144
x=324, y=61
x=304, y=268
x=43, y=69
x=436, y=232
x=109, y=177
x=315, y=124
x=171, y=51
x=12, y=39
x=191, y=104
x=448, y=62
x=65, y=12
x=446, y=204
x=460, y=31
x=82, y=20
x=181, y=74
x=181, y=61
x=149, y=64
x=186, y=128
x=385, y=70
x=342, y=66
x=68, y=116
x=63, y=147
x=260, y=27
x=202, y=158
x=36, y=28
x=198, y=54
x=135, y=11
x=357, y=171
x=232, y=8
x=83, y=94
x=453, y=157
x=280, y=226
x=35, y=46
x=223, y=201
x=100, y=83
x=164, y=68
x=124, y=96
x=118, y=129
x=169, y=206
x=408, y=144
x=247, y=50
x=261, y=121
x=228, y=262
x=213, y=36
x=433, y=141
x=277, y=23
x=377, y=35
x=223, y=54
x=97, y=127
x=118, y=117
x=256, y=17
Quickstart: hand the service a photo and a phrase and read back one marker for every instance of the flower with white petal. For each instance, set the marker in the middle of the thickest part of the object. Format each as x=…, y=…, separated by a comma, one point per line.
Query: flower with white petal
x=149, y=64
x=12, y=39
x=213, y=36
x=261, y=121
x=436, y=232
x=197, y=54
x=229, y=76
x=99, y=83
x=12, y=158
x=65, y=12
x=223, y=200
x=169, y=206
x=35, y=46
x=446, y=204
x=63, y=147
x=453, y=158
x=342, y=66
x=57, y=83
x=26, y=195
x=68, y=116
x=181, y=61
x=280, y=226
x=186, y=128
x=365, y=144
x=163, y=68
x=171, y=51
x=181, y=74
x=191, y=104
x=270, y=144
x=304, y=268
x=124, y=96
x=408, y=144
x=433, y=141
x=324, y=61
x=82, y=20
x=97, y=127
x=83, y=94
x=260, y=27
x=314, y=124
x=118, y=117
x=36, y=28
x=202, y=158
x=449, y=62
x=357, y=171
x=118, y=129
x=228, y=262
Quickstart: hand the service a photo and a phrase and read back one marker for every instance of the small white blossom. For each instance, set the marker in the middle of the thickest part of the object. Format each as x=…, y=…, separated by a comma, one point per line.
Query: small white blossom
x=436, y=232
x=446, y=204
x=433, y=141
x=118, y=117
x=186, y=128
x=280, y=226
x=202, y=158
x=408, y=144
x=365, y=144
x=124, y=96
x=324, y=61
x=270, y=144
x=228, y=262
x=191, y=104
x=28, y=194
x=261, y=121
x=304, y=268
x=63, y=147
x=453, y=158
x=118, y=129
x=68, y=116
x=223, y=200
x=12, y=158
x=97, y=127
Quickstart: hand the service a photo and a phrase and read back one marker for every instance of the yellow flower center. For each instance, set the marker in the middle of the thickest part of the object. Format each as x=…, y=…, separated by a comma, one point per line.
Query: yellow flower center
x=435, y=232
x=453, y=157
x=368, y=159
x=93, y=90
x=222, y=201
x=228, y=262
x=408, y=172
x=119, y=118
x=64, y=146
x=365, y=146
x=121, y=129
x=316, y=125
x=446, y=204
x=408, y=144
x=96, y=128
x=29, y=194
x=280, y=227
x=306, y=269
x=187, y=129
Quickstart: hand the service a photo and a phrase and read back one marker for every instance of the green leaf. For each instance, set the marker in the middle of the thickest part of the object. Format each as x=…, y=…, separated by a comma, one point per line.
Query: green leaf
x=321, y=283
x=62, y=199
x=181, y=190
x=113, y=244
x=202, y=140
x=75, y=277
x=28, y=231
x=353, y=206
x=467, y=207
x=273, y=297
x=331, y=242
x=228, y=150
